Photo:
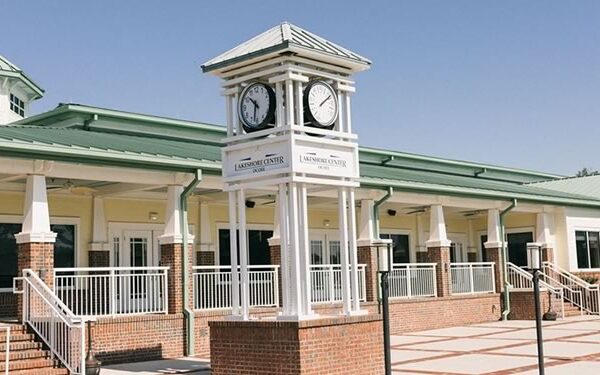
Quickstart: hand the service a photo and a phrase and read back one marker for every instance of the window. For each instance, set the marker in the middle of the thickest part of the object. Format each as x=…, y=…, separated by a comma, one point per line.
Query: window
x=258, y=247
x=588, y=249
x=400, y=250
x=17, y=105
x=64, y=249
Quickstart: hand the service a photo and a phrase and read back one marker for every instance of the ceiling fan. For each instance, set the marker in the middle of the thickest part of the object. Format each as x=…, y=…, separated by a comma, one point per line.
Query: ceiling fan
x=417, y=210
x=72, y=188
x=473, y=213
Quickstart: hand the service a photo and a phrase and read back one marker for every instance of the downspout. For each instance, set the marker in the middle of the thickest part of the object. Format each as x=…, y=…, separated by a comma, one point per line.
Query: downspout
x=506, y=296
x=188, y=313
x=376, y=205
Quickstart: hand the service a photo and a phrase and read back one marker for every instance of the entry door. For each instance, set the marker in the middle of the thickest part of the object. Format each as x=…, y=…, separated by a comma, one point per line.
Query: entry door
x=324, y=248
x=517, y=247
x=139, y=251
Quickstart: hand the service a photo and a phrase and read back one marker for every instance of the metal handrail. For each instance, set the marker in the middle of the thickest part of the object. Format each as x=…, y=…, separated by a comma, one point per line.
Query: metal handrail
x=558, y=292
x=44, y=312
x=589, y=303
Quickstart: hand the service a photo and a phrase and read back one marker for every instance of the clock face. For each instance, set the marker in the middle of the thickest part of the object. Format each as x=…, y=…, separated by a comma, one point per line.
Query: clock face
x=321, y=104
x=256, y=107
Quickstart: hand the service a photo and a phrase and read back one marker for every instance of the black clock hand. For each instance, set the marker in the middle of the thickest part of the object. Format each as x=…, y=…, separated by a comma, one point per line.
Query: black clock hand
x=323, y=102
x=255, y=103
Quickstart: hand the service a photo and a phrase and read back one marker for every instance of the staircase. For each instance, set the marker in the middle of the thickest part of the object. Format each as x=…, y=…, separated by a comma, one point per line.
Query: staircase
x=581, y=295
x=26, y=355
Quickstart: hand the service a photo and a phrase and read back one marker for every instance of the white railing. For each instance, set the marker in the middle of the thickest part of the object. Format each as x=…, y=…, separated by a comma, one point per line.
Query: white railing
x=6, y=328
x=53, y=322
x=326, y=283
x=212, y=286
x=112, y=291
x=472, y=278
x=412, y=280
x=518, y=278
x=577, y=291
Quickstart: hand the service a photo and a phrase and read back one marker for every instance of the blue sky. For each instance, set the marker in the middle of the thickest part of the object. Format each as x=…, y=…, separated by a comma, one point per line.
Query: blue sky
x=514, y=83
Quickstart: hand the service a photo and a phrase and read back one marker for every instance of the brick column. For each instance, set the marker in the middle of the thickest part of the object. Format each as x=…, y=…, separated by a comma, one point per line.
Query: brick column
x=275, y=255
x=172, y=256
x=495, y=255
x=548, y=254
x=368, y=255
x=39, y=257
x=441, y=257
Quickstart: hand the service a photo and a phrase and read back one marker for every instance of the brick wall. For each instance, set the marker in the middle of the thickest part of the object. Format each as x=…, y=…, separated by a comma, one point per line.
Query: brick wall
x=97, y=258
x=205, y=258
x=368, y=255
x=325, y=346
x=138, y=338
x=494, y=255
x=522, y=304
x=172, y=256
x=441, y=256
x=8, y=305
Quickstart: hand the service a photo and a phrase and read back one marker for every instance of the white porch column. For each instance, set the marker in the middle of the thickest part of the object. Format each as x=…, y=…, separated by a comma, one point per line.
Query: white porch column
x=99, y=248
x=472, y=241
x=493, y=230
x=544, y=235
x=437, y=228
x=421, y=247
x=206, y=255
x=36, y=218
x=172, y=232
x=367, y=234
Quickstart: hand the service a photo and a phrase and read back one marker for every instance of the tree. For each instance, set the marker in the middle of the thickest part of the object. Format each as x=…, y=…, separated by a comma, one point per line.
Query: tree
x=587, y=172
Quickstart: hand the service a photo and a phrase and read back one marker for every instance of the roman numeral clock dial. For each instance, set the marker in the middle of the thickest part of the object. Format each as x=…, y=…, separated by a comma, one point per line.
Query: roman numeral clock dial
x=257, y=107
x=320, y=104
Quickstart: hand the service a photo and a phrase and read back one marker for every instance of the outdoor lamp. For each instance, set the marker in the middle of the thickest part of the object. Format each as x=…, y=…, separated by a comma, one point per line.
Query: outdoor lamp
x=384, y=266
x=534, y=256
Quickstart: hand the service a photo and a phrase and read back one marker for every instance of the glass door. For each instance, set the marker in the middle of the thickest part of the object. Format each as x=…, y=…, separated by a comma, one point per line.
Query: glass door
x=133, y=284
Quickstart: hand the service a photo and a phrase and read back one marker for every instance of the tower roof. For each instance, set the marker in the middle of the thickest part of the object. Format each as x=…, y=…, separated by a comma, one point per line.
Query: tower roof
x=10, y=70
x=287, y=37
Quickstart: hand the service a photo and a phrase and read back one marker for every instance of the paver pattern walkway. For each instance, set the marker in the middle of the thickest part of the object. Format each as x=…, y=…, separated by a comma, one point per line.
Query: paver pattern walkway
x=571, y=347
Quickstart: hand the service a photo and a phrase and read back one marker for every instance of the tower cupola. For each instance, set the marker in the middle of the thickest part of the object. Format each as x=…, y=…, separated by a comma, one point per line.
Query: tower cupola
x=17, y=91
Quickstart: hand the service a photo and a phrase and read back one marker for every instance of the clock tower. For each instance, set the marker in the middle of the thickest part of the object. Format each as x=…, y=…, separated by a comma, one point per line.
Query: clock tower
x=289, y=128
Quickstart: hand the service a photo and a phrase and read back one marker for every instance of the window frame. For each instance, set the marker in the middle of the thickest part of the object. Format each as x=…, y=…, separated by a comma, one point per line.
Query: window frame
x=19, y=104
x=54, y=220
x=589, y=258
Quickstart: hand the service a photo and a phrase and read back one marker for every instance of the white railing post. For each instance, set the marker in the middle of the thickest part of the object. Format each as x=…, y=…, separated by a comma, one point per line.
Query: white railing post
x=408, y=282
x=112, y=300
x=165, y=292
x=472, y=278
x=331, y=284
x=276, y=286
x=434, y=279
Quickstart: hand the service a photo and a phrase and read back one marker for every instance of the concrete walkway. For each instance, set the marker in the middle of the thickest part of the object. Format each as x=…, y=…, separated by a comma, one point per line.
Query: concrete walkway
x=570, y=347
x=187, y=365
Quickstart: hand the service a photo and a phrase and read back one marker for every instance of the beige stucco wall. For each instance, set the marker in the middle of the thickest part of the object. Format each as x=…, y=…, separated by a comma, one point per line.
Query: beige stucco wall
x=128, y=210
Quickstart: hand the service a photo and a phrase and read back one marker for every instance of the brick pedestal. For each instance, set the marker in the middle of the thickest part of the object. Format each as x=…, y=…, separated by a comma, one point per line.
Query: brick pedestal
x=368, y=255
x=205, y=258
x=275, y=255
x=441, y=257
x=495, y=255
x=40, y=258
x=340, y=345
x=99, y=258
x=522, y=304
x=172, y=256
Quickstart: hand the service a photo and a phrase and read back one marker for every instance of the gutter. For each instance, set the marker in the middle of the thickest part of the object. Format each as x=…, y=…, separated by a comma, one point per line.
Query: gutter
x=506, y=296
x=376, y=205
x=188, y=313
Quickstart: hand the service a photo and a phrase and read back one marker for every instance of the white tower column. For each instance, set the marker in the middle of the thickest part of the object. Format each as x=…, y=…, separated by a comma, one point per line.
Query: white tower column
x=235, y=278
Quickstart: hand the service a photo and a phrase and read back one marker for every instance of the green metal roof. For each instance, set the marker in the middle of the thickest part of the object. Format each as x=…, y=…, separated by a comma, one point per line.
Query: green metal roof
x=82, y=146
x=8, y=69
x=589, y=185
x=450, y=184
x=282, y=38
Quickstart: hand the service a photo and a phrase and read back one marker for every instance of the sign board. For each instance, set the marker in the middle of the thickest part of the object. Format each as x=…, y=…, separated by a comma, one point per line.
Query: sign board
x=311, y=157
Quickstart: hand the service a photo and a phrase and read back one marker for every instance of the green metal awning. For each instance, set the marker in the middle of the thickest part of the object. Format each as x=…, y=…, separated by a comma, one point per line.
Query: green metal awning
x=74, y=145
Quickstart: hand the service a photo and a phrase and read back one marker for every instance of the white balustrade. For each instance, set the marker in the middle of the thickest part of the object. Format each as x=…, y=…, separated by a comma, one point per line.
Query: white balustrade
x=579, y=292
x=412, y=280
x=326, y=283
x=61, y=330
x=212, y=286
x=472, y=278
x=519, y=278
x=112, y=291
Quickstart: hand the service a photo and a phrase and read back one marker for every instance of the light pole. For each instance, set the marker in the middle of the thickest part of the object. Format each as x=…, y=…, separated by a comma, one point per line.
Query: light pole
x=384, y=264
x=534, y=253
